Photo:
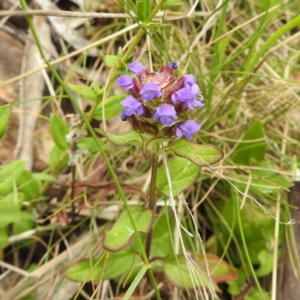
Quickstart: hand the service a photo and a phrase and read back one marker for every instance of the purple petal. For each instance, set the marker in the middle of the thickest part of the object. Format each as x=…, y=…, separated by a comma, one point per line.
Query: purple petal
x=130, y=106
x=125, y=82
x=136, y=67
x=150, y=91
x=166, y=113
x=189, y=80
x=187, y=128
x=195, y=90
x=182, y=95
x=167, y=120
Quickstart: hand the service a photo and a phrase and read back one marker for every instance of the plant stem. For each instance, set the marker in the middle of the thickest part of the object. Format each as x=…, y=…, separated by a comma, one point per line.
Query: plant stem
x=154, y=167
x=152, y=200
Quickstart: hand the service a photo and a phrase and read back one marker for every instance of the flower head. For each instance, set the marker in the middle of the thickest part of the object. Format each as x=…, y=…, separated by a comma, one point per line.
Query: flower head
x=166, y=113
x=187, y=128
x=158, y=101
x=125, y=81
x=131, y=106
x=136, y=68
x=150, y=91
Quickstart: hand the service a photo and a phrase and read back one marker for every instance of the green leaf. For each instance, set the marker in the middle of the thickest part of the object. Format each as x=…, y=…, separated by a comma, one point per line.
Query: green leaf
x=59, y=130
x=255, y=294
x=28, y=185
x=9, y=213
x=236, y=287
x=266, y=263
x=87, y=92
x=200, y=155
x=179, y=274
x=162, y=245
x=122, y=232
x=89, y=143
x=111, y=60
x=110, y=265
x=220, y=269
x=13, y=198
x=3, y=238
x=254, y=148
x=26, y=223
x=55, y=157
x=183, y=173
x=131, y=137
x=143, y=9
x=112, y=107
x=43, y=177
x=9, y=175
x=4, y=118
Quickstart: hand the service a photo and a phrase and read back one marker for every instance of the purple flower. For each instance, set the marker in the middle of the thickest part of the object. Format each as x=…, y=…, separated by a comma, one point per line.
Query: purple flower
x=191, y=97
x=182, y=95
x=136, y=68
x=150, y=91
x=187, y=128
x=131, y=106
x=166, y=113
x=189, y=80
x=173, y=65
x=125, y=82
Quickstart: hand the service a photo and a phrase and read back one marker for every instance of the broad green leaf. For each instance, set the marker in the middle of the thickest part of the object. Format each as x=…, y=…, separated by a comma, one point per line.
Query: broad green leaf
x=112, y=107
x=3, y=237
x=200, y=155
x=26, y=223
x=235, y=287
x=13, y=198
x=252, y=146
x=122, y=232
x=255, y=294
x=87, y=92
x=143, y=9
x=28, y=185
x=89, y=143
x=110, y=265
x=59, y=130
x=266, y=263
x=131, y=137
x=43, y=177
x=9, y=213
x=162, y=245
x=14, y=168
x=56, y=155
x=179, y=274
x=9, y=175
x=111, y=60
x=183, y=173
x=4, y=117
x=220, y=269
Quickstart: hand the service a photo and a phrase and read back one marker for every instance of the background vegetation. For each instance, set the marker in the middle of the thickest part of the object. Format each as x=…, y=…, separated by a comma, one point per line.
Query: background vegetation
x=245, y=56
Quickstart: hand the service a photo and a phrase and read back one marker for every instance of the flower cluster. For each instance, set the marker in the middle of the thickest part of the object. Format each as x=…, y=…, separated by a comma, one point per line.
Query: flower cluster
x=158, y=101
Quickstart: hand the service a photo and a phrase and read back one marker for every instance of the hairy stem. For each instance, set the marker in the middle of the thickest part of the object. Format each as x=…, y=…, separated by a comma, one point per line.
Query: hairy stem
x=152, y=201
